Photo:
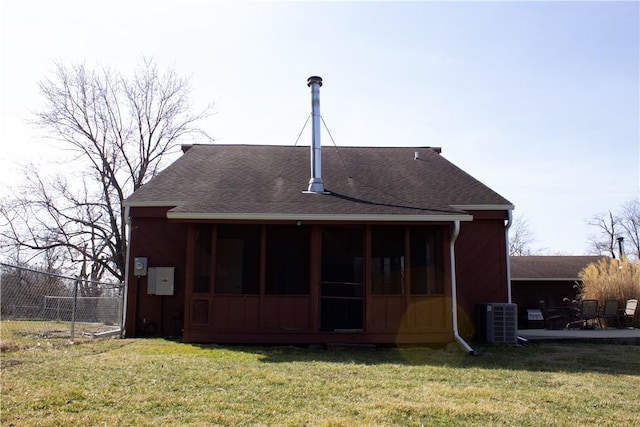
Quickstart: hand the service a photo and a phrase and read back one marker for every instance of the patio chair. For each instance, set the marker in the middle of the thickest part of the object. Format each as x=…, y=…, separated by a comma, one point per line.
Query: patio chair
x=610, y=313
x=554, y=318
x=589, y=313
x=628, y=315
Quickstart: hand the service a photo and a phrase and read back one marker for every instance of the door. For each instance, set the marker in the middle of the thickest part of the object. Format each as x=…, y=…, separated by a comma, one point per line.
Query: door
x=341, y=288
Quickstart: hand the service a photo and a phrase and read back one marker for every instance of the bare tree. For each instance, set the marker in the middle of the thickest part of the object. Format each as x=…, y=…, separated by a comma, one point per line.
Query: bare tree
x=520, y=238
x=604, y=242
x=119, y=132
x=613, y=228
x=630, y=223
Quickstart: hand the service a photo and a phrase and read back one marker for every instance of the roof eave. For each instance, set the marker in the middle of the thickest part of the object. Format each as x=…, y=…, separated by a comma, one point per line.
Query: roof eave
x=151, y=204
x=242, y=216
x=484, y=207
x=158, y=203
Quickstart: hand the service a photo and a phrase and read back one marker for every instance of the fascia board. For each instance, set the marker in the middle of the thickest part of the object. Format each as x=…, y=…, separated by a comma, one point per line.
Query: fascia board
x=484, y=207
x=316, y=217
x=152, y=204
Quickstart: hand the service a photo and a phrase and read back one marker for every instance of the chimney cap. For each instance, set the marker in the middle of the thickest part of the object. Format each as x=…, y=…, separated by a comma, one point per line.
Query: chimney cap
x=314, y=79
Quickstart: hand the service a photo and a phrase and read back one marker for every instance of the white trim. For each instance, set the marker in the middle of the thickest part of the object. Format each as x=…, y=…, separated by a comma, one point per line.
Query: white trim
x=317, y=217
x=484, y=207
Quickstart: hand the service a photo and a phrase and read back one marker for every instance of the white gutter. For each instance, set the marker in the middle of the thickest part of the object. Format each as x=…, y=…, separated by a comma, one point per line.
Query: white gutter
x=454, y=291
x=127, y=219
x=153, y=203
x=317, y=217
x=506, y=237
x=483, y=207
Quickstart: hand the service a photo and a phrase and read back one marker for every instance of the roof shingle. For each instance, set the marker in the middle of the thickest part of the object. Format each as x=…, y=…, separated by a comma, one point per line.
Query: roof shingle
x=270, y=180
x=550, y=267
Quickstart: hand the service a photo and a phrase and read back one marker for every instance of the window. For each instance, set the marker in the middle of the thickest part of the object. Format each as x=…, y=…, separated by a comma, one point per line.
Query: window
x=426, y=261
x=238, y=259
x=387, y=260
x=287, y=260
x=202, y=262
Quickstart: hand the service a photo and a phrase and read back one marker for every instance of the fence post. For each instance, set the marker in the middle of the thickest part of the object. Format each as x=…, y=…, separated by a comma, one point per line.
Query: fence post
x=121, y=308
x=73, y=309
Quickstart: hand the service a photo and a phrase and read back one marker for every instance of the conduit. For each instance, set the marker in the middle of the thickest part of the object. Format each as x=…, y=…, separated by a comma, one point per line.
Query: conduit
x=454, y=291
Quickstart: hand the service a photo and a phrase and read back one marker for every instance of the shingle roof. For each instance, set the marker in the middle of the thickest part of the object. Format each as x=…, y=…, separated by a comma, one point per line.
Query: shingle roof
x=549, y=267
x=231, y=180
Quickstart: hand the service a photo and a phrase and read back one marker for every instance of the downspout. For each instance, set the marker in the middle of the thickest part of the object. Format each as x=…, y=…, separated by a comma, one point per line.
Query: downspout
x=506, y=237
x=508, y=262
x=454, y=291
x=127, y=220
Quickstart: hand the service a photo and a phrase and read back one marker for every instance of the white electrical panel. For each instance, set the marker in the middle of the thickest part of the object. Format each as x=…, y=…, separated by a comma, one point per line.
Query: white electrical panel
x=161, y=280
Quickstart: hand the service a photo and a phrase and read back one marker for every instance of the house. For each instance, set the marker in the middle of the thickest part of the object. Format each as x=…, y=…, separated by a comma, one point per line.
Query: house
x=553, y=279
x=283, y=244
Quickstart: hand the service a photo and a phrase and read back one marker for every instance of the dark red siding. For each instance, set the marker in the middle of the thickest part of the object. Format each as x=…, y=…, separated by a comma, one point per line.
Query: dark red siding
x=164, y=245
x=528, y=293
x=480, y=264
x=388, y=319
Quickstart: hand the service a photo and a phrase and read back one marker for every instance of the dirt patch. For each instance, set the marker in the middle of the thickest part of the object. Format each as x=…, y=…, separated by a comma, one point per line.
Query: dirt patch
x=6, y=346
x=53, y=333
x=7, y=363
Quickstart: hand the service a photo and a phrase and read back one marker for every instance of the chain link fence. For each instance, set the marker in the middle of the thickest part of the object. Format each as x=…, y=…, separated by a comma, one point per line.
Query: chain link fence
x=36, y=306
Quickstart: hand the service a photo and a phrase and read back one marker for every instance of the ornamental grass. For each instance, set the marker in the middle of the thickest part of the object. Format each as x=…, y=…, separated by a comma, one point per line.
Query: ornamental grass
x=610, y=279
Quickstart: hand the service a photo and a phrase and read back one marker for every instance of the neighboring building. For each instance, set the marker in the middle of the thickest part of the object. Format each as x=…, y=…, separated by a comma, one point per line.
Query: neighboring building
x=367, y=251
x=553, y=279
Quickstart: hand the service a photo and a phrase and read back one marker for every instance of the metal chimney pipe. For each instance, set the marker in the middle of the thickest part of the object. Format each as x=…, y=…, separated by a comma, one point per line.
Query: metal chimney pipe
x=315, y=183
x=620, y=247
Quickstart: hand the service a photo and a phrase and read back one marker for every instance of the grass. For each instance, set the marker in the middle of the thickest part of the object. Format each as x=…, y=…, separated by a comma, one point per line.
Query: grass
x=159, y=382
x=15, y=334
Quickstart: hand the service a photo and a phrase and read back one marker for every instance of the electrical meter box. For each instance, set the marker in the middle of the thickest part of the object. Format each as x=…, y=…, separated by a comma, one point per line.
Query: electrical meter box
x=140, y=266
x=161, y=281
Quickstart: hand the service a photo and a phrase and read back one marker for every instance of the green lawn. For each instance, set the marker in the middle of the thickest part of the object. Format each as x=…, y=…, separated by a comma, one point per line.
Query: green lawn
x=158, y=382
x=24, y=333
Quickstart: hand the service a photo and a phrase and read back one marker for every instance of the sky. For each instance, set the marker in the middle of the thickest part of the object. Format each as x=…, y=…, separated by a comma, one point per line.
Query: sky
x=538, y=100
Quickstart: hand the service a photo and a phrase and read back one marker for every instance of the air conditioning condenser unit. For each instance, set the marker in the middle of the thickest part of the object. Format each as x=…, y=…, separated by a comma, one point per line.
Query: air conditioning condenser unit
x=497, y=323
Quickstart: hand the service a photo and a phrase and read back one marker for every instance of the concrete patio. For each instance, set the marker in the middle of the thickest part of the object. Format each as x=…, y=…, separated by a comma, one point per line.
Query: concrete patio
x=614, y=336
